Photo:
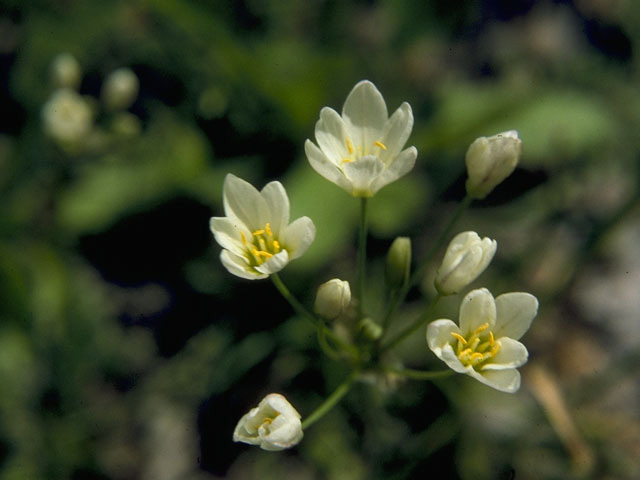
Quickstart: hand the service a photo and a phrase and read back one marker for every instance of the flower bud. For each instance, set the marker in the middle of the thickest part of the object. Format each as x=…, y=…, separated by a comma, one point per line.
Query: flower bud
x=332, y=299
x=67, y=118
x=120, y=89
x=398, y=262
x=65, y=71
x=370, y=329
x=274, y=425
x=466, y=258
x=491, y=160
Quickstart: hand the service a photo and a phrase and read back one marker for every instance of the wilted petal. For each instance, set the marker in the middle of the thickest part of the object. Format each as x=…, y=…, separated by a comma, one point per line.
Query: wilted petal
x=515, y=312
x=477, y=307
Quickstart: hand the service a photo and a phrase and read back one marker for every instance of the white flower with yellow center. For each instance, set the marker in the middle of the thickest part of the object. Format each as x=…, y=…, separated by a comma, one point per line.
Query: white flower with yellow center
x=274, y=424
x=485, y=346
x=361, y=151
x=256, y=236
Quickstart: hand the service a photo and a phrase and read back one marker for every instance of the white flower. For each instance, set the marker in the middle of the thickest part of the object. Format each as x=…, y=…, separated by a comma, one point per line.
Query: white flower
x=256, y=236
x=274, y=425
x=67, y=118
x=466, y=258
x=65, y=71
x=120, y=89
x=491, y=160
x=361, y=151
x=333, y=298
x=486, y=346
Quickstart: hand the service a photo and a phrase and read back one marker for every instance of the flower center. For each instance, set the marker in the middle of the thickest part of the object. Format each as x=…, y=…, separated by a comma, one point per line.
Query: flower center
x=478, y=349
x=262, y=246
x=357, y=152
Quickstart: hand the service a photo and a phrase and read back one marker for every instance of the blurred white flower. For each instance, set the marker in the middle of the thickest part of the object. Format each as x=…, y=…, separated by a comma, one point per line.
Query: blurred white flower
x=491, y=160
x=466, y=258
x=67, y=118
x=120, y=89
x=274, y=425
x=256, y=236
x=65, y=71
x=333, y=298
x=485, y=346
x=361, y=151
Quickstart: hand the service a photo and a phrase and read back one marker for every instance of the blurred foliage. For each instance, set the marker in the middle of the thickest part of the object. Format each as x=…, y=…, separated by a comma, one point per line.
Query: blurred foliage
x=126, y=350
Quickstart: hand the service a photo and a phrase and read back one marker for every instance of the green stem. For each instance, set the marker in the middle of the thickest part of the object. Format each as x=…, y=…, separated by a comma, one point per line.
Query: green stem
x=420, y=374
x=331, y=401
x=362, y=254
x=420, y=321
x=306, y=314
x=421, y=270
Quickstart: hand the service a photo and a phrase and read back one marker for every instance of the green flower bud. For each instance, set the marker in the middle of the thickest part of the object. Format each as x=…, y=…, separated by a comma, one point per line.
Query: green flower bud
x=332, y=299
x=399, y=262
x=491, y=160
x=370, y=329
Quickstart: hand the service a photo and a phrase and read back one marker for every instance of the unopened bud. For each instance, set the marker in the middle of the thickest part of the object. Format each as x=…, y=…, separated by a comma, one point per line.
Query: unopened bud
x=65, y=71
x=370, y=329
x=332, y=299
x=120, y=89
x=398, y=262
x=466, y=258
x=490, y=160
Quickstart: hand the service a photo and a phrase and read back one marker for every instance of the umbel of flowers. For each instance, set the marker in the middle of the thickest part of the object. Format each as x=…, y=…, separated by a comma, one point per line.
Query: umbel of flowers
x=361, y=150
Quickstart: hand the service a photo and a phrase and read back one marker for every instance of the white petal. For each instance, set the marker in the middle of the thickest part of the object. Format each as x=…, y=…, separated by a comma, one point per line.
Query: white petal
x=331, y=135
x=477, y=307
x=275, y=263
x=238, y=266
x=278, y=203
x=227, y=233
x=244, y=202
x=512, y=354
x=402, y=165
x=515, y=312
x=396, y=131
x=298, y=236
x=507, y=381
x=439, y=338
x=241, y=433
x=365, y=113
x=321, y=164
x=362, y=173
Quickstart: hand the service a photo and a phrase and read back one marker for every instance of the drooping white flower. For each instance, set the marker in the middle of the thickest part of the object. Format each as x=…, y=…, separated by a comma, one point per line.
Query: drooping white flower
x=274, y=425
x=361, y=151
x=333, y=298
x=466, y=258
x=67, y=118
x=485, y=346
x=256, y=236
x=490, y=160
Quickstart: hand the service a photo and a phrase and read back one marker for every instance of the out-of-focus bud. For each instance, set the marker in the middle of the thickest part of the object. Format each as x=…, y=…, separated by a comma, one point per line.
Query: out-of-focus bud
x=370, y=329
x=126, y=125
x=120, y=89
x=274, y=425
x=332, y=299
x=466, y=258
x=66, y=71
x=67, y=118
x=490, y=160
x=398, y=262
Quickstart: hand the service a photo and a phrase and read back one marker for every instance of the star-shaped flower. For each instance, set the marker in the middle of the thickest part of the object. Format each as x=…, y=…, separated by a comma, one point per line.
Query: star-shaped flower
x=485, y=346
x=361, y=150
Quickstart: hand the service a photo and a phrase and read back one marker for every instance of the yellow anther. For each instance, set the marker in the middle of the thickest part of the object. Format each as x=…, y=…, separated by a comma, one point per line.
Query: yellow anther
x=491, y=339
x=258, y=232
x=243, y=238
x=350, y=146
x=262, y=244
x=459, y=337
x=346, y=160
x=481, y=328
x=267, y=228
x=380, y=144
x=476, y=356
x=276, y=245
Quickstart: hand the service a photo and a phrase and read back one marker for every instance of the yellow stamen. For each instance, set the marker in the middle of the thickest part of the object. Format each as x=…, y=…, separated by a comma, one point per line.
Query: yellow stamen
x=276, y=245
x=346, y=160
x=350, y=146
x=267, y=228
x=380, y=144
x=491, y=339
x=481, y=328
x=459, y=337
x=243, y=238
